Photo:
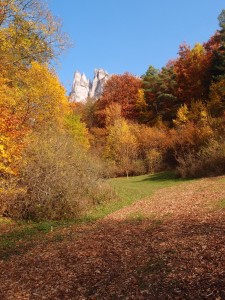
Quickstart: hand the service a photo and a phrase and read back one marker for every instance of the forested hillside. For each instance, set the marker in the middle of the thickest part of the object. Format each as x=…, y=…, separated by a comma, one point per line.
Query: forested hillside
x=171, y=118
x=51, y=149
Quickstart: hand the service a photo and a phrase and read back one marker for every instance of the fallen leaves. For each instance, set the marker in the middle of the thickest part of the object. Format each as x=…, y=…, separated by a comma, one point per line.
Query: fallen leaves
x=181, y=257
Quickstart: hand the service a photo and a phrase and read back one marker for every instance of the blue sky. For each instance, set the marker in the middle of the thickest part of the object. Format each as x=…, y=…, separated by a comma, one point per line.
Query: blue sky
x=129, y=35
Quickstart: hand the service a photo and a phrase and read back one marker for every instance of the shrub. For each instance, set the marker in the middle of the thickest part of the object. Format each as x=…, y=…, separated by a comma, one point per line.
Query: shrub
x=10, y=199
x=153, y=144
x=60, y=180
x=114, y=170
x=154, y=160
x=208, y=161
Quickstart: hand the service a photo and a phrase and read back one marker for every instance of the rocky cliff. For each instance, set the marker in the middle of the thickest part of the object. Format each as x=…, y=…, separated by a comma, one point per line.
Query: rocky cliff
x=83, y=88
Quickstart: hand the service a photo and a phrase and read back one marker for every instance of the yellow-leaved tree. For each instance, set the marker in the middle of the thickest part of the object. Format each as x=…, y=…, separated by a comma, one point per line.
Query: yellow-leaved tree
x=35, y=100
x=31, y=96
x=121, y=146
x=77, y=129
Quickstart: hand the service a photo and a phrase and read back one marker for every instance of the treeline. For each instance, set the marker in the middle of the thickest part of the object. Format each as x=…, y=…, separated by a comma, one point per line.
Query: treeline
x=168, y=118
x=46, y=171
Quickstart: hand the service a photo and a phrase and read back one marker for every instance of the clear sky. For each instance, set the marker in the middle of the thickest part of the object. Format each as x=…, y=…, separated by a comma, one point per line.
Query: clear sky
x=129, y=35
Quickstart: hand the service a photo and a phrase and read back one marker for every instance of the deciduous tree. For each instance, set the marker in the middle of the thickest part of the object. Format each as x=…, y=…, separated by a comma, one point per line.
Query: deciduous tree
x=34, y=100
x=121, y=89
x=121, y=146
x=29, y=32
x=192, y=70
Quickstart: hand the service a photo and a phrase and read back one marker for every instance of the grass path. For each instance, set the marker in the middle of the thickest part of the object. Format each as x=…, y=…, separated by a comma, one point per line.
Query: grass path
x=166, y=246
x=132, y=189
x=193, y=198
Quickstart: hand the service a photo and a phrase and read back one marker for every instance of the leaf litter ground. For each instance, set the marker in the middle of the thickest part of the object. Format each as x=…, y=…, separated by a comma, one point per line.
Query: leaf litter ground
x=168, y=246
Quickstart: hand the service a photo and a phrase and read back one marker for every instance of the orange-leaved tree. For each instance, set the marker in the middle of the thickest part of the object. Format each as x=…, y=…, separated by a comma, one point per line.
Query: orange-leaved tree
x=34, y=100
x=31, y=97
x=121, y=89
x=192, y=70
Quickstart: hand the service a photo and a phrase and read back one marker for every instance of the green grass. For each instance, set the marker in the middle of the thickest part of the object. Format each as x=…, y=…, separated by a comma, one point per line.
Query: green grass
x=138, y=187
x=222, y=179
x=221, y=204
x=133, y=189
x=23, y=235
x=5, y=220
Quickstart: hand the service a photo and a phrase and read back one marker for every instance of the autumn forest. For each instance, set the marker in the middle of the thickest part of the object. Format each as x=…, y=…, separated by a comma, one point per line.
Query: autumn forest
x=169, y=119
x=58, y=157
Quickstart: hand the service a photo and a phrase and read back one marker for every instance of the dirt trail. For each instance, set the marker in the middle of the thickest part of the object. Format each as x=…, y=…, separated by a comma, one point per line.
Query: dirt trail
x=178, y=252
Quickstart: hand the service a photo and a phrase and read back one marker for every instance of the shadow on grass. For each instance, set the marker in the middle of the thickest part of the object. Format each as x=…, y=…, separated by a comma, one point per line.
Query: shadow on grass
x=26, y=235
x=164, y=176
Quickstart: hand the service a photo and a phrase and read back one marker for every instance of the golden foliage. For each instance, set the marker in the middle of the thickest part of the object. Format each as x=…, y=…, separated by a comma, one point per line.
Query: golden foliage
x=121, y=145
x=33, y=100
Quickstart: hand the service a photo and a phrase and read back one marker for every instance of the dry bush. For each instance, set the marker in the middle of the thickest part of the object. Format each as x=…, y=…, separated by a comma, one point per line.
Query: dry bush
x=154, y=160
x=153, y=145
x=189, y=137
x=208, y=161
x=112, y=170
x=185, y=142
x=60, y=180
x=189, y=165
x=102, y=193
x=139, y=167
x=11, y=197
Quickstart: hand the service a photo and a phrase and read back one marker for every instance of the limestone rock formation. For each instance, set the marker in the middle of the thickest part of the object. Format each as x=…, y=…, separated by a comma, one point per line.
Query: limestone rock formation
x=83, y=88
x=80, y=88
x=98, y=83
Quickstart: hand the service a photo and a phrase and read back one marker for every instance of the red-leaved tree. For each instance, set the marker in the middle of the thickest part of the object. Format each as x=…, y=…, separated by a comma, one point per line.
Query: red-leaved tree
x=121, y=89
